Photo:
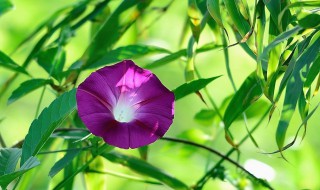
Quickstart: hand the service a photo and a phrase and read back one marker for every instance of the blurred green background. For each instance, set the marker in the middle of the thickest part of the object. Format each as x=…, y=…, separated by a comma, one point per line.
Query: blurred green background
x=187, y=164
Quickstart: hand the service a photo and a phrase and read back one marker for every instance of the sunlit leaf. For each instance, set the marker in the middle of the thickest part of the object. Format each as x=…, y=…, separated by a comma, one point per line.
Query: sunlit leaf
x=313, y=72
x=191, y=87
x=28, y=164
x=238, y=19
x=8, y=63
x=249, y=92
x=294, y=88
x=115, y=26
x=214, y=10
x=27, y=87
x=49, y=119
x=144, y=168
x=5, y=5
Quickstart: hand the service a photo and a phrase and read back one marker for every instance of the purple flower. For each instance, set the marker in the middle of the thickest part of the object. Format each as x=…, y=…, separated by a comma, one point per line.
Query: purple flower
x=125, y=105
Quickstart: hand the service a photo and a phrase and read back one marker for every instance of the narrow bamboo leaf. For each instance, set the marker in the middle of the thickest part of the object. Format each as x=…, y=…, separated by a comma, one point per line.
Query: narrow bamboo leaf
x=52, y=60
x=294, y=88
x=282, y=37
x=238, y=19
x=181, y=53
x=8, y=178
x=27, y=87
x=249, y=92
x=214, y=10
x=49, y=119
x=167, y=59
x=64, y=161
x=9, y=158
x=313, y=72
x=191, y=87
x=274, y=7
x=126, y=52
x=8, y=63
x=5, y=6
x=144, y=168
x=115, y=26
x=308, y=20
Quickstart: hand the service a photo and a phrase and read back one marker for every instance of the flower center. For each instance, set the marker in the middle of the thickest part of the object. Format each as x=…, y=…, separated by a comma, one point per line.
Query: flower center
x=123, y=112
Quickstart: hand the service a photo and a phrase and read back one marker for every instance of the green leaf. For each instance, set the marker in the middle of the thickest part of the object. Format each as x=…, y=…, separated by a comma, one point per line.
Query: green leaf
x=190, y=87
x=52, y=60
x=274, y=7
x=49, y=119
x=313, y=72
x=144, y=168
x=205, y=116
x=214, y=10
x=9, y=158
x=5, y=6
x=194, y=18
x=282, y=37
x=27, y=87
x=126, y=52
x=294, y=88
x=308, y=20
x=8, y=178
x=8, y=63
x=115, y=26
x=249, y=92
x=64, y=161
x=238, y=19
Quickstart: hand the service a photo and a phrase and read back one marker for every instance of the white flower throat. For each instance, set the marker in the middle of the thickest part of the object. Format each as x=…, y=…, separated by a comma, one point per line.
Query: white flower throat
x=123, y=112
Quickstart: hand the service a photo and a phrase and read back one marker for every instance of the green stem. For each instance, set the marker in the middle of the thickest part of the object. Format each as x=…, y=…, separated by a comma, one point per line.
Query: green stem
x=207, y=176
x=124, y=176
x=212, y=151
x=39, y=103
x=66, y=150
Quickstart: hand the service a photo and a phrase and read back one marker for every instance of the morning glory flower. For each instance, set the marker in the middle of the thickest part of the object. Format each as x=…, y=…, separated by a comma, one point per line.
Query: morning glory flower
x=125, y=105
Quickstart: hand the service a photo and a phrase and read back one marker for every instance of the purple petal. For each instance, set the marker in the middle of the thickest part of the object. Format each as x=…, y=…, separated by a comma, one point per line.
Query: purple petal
x=126, y=105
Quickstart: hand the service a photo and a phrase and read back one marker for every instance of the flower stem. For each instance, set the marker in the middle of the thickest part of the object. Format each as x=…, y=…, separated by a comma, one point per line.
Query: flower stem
x=224, y=157
x=207, y=175
x=39, y=103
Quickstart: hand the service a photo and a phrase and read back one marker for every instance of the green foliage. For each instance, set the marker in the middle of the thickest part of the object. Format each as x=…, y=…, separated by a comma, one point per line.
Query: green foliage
x=286, y=73
x=191, y=87
x=144, y=168
x=49, y=119
x=27, y=87
x=9, y=158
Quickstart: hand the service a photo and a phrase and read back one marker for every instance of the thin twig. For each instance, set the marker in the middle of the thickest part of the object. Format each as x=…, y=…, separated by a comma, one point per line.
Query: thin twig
x=124, y=176
x=212, y=151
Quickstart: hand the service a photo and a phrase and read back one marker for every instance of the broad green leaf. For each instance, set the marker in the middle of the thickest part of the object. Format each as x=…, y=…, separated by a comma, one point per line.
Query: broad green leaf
x=115, y=26
x=214, y=10
x=5, y=5
x=144, y=168
x=238, y=19
x=64, y=161
x=52, y=60
x=313, y=72
x=8, y=63
x=27, y=87
x=294, y=88
x=8, y=178
x=191, y=87
x=126, y=52
x=9, y=158
x=249, y=92
x=49, y=119
x=308, y=20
